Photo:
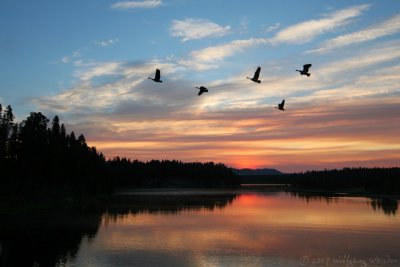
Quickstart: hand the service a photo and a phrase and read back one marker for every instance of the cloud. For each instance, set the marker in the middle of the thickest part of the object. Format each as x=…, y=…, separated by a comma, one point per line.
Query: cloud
x=385, y=28
x=106, y=43
x=272, y=28
x=373, y=56
x=88, y=71
x=208, y=57
x=364, y=75
x=191, y=29
x=137, y=4
x=113, y=84
x=102, y=86
x=314, y=134
x=308, y=30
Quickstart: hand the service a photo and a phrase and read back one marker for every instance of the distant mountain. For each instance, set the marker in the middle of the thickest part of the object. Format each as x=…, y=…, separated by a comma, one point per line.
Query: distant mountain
x=264, y=171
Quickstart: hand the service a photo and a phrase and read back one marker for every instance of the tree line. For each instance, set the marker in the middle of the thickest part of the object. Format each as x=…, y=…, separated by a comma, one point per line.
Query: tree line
x=36, y=156
x=377, y=180
x=373, y=180
x=169, y=173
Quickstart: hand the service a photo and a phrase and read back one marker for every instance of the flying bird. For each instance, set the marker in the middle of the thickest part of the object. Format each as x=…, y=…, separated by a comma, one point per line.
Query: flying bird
x=306, y=67
x=280, y=106
x=157, y=76
x=256, y=75
x=202, y=89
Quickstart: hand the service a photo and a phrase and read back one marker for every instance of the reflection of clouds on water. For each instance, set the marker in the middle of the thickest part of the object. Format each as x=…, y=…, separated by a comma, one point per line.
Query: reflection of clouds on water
x=201, y=228
x=256, y=229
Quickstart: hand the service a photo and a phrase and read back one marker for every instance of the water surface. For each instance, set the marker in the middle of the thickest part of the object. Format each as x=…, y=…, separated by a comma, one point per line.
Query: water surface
x=211, y=228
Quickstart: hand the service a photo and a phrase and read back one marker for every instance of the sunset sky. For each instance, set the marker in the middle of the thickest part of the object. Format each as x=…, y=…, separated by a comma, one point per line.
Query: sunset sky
x=88, y=62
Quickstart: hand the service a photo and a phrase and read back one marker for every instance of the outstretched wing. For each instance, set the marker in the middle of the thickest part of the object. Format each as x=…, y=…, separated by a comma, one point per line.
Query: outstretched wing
x=257, y=73
x=158, y=75
x=283, y=102
x=306, y=67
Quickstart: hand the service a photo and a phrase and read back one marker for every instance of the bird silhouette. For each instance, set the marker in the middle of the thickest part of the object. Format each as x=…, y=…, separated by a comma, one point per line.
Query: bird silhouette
x=157, y=76
x=202, y=89
x=306, y=67
x=280, y=106
x=256, y=75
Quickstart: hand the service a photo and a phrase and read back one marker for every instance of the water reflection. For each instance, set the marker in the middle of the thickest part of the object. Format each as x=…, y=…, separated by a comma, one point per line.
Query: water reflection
x=169, y=201
x=45, y=240
x=165, y=202
x=204, y=228
x=387, y=206
x=52, y=239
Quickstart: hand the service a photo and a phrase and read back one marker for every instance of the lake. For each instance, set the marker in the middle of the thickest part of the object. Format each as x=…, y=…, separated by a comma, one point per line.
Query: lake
x=247, y=227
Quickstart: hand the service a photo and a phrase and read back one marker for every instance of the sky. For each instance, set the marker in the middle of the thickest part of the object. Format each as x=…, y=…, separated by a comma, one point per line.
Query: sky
x=89, y=61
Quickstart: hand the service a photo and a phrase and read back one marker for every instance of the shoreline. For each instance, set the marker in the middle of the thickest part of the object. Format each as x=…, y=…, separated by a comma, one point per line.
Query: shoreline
x=10, y=206
x=346, y=193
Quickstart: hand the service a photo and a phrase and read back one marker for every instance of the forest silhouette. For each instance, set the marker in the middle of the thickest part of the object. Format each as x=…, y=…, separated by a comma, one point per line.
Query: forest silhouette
x=359, y=180
x=39, y=157
x=376, y=180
